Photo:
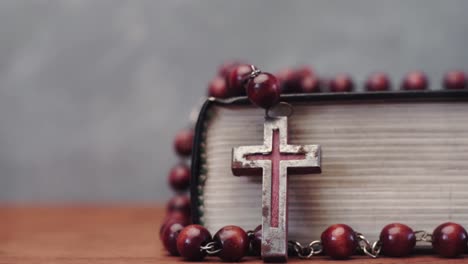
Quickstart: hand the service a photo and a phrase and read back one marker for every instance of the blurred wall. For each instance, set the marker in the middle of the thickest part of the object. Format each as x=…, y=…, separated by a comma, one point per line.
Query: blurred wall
x=92, y=92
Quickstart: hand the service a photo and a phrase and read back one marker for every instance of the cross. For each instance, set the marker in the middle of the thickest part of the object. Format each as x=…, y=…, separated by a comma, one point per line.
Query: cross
x=274, y=161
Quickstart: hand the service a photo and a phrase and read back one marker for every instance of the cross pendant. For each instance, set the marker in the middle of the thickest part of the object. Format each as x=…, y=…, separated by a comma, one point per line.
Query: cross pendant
x=274, y=161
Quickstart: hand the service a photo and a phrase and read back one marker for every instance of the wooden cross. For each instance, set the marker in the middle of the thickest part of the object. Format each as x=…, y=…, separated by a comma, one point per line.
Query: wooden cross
x=274, y=161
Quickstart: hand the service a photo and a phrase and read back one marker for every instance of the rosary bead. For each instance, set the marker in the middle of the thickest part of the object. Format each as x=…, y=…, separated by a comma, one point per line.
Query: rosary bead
x=218, y=88
x=237, y=79
x=183, y=143
x=397, y=240
x=264, y=90
x=169, y=237
x=179, y=177
x=173, y=218
x=179, y=203
x=455, y=80
x=339, y=241
x=256, y=241
x=301, y=80
x=449, y=240
x=285, y=76
x=416, y=80
x=310, y=84
x=378, y=82
x=189, y=241
x=341, y=83
x=234, y=243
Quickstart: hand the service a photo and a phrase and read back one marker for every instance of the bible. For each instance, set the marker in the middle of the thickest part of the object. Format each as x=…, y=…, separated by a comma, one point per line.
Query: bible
x=385, y=157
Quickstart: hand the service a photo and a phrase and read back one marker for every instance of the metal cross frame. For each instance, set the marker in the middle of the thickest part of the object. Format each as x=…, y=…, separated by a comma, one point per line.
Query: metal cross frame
x=274, y=160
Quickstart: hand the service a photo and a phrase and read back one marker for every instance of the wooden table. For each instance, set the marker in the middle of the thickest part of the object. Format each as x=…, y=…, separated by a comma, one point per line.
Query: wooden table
x=107, y=235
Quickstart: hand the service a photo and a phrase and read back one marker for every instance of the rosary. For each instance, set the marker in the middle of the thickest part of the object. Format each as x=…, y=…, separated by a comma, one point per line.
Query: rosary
x=274, y=161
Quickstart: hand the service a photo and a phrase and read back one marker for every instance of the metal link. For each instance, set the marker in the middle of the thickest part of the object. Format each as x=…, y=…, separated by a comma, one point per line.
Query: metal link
x=255, y=72
x=316, y=247
x=211, y=248
x=373, y=250
x=296, y=246
x=424, y=236
x=377, y=247
x=313, y=249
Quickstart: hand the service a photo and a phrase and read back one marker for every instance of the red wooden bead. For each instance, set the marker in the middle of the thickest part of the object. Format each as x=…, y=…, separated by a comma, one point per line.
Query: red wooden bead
x=169, y=237
x=378, y=82
x=397, y=240
x=290, y=80
x=173, y=218
x=264, y=90
x=416, y=80
x=341, y=83
x=256, y=241
x=339, y=241
x=233, y=241
x=183, y=143
x=227, y=67
x=455, y=80
x=293, y=81
x=237, y=79
x=449, y=240
x=189, y=241
x=179, y=177
x=285, y=75
x=310, y=84
x=218, y=88
x=179, y=203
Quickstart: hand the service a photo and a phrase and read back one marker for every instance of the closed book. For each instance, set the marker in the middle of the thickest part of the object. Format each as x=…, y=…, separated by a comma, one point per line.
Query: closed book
x=386, y=157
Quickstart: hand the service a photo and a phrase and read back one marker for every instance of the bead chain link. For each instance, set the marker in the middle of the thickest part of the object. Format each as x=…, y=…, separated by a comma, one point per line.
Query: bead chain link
x=211, y=248
x=315, y=247
x=255, y=72
x=371, y=250
x=422, y=235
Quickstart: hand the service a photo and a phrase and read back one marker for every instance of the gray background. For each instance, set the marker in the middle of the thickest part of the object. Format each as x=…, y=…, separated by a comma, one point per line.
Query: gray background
x=92, y=92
